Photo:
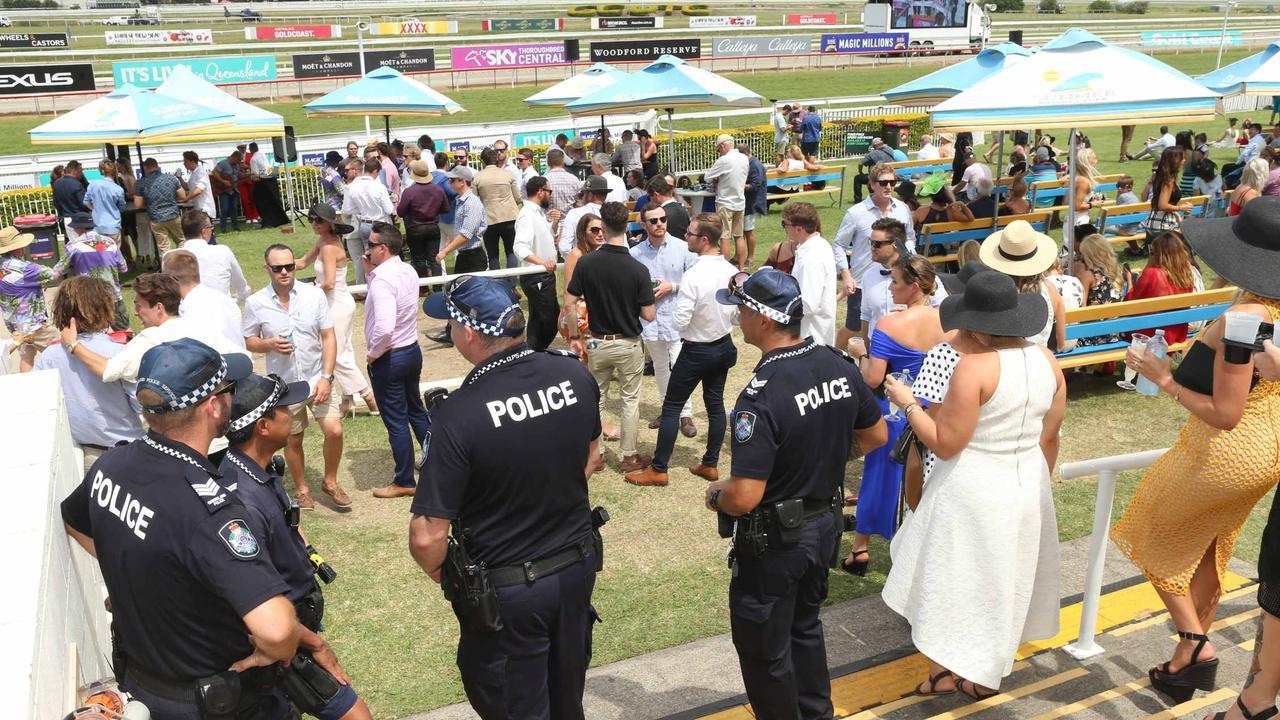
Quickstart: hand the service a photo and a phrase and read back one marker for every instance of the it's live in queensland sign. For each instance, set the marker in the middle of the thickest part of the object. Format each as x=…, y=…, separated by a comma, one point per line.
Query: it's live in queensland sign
x=217, y=70
x=33, y=40
x=307, y=66
x=483, y=57
x=862, y=42
x=46, y=79
x=521, y=24
x=642, y=50
x=292, y=32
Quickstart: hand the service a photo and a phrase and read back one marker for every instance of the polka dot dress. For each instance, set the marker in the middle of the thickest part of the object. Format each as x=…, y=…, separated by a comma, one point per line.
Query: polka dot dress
x=931, y=385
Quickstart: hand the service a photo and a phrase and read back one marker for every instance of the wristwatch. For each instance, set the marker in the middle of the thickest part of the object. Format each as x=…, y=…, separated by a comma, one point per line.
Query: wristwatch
x=328, y=377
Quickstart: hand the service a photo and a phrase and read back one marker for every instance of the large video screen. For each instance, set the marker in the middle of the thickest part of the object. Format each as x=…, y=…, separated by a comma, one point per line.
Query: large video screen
x=929, y=13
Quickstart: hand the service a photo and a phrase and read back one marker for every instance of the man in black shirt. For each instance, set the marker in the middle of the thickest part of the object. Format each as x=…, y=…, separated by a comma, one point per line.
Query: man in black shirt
x=618, y=292
x=522, y=516
x=192, y=591
x=68, y=191
x=801, y=418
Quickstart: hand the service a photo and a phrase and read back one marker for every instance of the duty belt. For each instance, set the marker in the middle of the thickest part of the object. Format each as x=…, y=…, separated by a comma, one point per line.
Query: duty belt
x=185, y=691
x=531, y=571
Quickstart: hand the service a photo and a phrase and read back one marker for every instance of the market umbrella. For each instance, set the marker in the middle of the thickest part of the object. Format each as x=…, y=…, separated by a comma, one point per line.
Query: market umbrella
x=1078, y=80
x=950, y=81
x=130, y=114
x=593, y=79
x=247, y=121
x=669, y=83
x=1255, y=75
x=386, y=92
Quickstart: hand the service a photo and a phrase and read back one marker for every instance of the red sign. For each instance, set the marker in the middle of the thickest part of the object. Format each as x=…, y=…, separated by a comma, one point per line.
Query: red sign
x=822, y=19
x=292, y=32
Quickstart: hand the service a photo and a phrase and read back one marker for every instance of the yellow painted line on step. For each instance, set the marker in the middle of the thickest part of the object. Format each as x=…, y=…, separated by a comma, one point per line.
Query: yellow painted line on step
x=1164, y=616
x=741, y=712
x=882, y=711
x=1194, y=704
x=1089, y=702
x=1012, y=695
x=879, y=684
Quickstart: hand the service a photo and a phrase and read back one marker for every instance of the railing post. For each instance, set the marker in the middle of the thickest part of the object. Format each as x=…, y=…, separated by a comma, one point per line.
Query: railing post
x=1085, y=645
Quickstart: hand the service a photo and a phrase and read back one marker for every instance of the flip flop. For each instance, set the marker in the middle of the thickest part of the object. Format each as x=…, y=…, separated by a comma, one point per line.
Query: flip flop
x=973, y=692
x=933, y=684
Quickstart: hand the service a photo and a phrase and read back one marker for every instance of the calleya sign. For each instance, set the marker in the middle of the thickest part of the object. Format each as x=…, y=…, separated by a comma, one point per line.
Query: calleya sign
x=717, y=21
x=760, y=45
x=33, y=40
x=347, y=64
x=46, y=79
x=292, y=32
x=481, y=57
x=160, y=37
x=641, y=50
x=217, y=70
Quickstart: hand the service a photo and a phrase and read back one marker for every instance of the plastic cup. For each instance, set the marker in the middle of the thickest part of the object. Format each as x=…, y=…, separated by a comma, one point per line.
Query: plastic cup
x=1138, y=342
x=1242, y=328
x=904, y=378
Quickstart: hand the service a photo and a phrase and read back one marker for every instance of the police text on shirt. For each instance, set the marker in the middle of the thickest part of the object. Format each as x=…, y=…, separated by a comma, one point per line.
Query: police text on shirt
x=522, y=407
x=824, y=393
x=132, y=513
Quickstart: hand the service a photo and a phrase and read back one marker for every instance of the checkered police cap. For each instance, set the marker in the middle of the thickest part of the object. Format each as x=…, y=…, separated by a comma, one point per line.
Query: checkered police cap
x=186, y=372
x=482, y=303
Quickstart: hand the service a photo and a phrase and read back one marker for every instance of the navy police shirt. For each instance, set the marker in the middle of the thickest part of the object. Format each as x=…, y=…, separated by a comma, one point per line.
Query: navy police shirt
x=263, y=494
x=506, y=454
x=793, y=423
x=179, y=554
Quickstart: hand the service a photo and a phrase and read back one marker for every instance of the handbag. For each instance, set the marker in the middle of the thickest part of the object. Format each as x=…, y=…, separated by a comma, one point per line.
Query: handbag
x=905, y=443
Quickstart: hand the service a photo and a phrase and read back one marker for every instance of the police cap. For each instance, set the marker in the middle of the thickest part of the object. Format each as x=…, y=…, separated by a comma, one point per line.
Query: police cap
x=483, y=304
x=256, y=395
x=185, y=372
x=769, y=291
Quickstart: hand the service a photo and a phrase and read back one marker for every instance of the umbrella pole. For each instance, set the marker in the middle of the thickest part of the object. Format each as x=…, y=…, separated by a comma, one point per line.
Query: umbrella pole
x=360, y=44
x=671, y=143
x=1069, y=230
x=999, y=173
x=386, y=126
x=292, y=212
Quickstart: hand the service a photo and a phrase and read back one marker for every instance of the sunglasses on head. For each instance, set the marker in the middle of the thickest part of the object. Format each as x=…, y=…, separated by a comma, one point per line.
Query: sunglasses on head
x=737, y=282
x=287, y=267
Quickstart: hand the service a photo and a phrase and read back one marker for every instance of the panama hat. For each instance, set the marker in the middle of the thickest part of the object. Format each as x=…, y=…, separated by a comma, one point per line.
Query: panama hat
x=1244, y=249
x=11, y=239
x=991, y=304
x=1019, y=250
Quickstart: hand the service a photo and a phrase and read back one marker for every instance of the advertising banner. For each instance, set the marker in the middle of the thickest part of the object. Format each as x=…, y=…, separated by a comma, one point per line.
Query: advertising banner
x=809, y=19
x=929, y=13
x=45, y=78
x=1190, y=38
x=757, y=45
x=641, y=50
x=542, y=137
x=308, y=66
x=414, y=27
x=33, y=40
x=203, y=36
x=312, y=159
x=718, y=21
x=625, y=23
x=217, y=70
x=292, y=32
x=521, y=24
x=482, y=57
x=862, y=42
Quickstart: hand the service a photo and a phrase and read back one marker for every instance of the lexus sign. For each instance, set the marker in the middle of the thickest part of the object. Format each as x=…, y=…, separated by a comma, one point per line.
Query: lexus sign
x=46, y=79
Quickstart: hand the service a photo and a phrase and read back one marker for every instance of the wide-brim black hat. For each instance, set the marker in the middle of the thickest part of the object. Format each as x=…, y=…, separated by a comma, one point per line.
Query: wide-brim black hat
x=325, y=212
x=1244, y=249
x=991, y=304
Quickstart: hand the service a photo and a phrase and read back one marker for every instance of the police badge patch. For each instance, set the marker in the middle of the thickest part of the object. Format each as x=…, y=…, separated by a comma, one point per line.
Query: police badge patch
x=744, y=426
x=239, y=539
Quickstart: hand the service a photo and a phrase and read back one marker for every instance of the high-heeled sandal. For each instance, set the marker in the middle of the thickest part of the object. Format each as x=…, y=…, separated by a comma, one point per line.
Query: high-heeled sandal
x=1244, y=712
x=1197, y=675
x=933, y=685
x=855, y=566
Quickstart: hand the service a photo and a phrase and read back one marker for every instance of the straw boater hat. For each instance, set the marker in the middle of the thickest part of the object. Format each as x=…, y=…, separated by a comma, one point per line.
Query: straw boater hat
x=991, y=304
x=1019, y=250
x=11, y=239
x=1244, y=249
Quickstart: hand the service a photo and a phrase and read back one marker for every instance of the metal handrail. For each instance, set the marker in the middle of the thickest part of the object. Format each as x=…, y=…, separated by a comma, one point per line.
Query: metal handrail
x=1105, y=468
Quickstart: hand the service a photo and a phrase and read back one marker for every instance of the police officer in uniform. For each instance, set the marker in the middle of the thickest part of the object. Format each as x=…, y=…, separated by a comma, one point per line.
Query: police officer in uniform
x=260, y=425
x=192, y=591
x=804, y=414
x=512, y=532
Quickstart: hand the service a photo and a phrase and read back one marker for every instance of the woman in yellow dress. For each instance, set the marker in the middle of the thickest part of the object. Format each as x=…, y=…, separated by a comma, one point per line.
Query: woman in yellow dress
x=1181, y=528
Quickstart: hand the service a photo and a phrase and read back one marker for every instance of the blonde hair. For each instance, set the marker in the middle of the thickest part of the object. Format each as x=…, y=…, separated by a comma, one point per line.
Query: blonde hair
x=968, y=252
x=794, y=152
x=1255, y=174
x=1096, y=252
x=1085, y=167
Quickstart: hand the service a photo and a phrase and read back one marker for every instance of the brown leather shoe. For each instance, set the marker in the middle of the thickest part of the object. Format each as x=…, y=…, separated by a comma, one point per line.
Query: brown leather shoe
x=687, y=428
x=631, y=463
x=305, y=502
x=709, y=474
x=393, y=491
x=647, y=477
x=339, y=496
x=655, y=423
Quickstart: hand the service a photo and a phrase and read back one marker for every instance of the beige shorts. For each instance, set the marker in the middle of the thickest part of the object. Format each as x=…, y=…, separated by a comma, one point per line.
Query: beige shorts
x=731, y=220
x=331, y=408
x=37, y=341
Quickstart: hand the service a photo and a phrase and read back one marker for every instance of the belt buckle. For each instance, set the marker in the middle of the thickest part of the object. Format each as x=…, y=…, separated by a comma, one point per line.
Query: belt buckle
x=529, y=574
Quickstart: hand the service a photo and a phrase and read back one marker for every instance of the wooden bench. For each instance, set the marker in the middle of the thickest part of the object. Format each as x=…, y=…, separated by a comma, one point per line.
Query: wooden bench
x=1056, y=191
x=1134, y=315
x=1136, y=213
x=833, y=176
x=954, y=233
x=909, y=169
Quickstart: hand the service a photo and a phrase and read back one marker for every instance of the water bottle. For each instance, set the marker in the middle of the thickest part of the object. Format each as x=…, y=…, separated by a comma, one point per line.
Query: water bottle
x=1158, y=347
x=1217, y=203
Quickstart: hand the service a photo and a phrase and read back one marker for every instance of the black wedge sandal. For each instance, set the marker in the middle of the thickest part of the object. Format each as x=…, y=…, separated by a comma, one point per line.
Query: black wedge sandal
x=1244, y=711
x=933, y=681
x=855, y=566
x=1197, y=675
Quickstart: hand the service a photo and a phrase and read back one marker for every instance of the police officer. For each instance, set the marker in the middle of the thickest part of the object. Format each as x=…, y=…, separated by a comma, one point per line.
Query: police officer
x=260, y=425
x=522, y=560
x=804, y=414
x=192, y=591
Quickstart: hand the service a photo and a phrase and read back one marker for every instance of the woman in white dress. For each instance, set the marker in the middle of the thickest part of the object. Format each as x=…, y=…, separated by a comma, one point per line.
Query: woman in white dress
x=975, y=567
x=330, y=257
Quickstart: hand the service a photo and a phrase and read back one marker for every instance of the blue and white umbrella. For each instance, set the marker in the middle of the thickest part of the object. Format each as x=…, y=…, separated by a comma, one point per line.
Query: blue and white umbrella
x=950, y=81
x=386, y=92
x=1255, y=75
x=130, y=114
x=589, y=81
x=248, y=121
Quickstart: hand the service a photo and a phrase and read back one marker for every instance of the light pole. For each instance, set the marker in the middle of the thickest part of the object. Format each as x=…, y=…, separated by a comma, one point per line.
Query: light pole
x=360, y=28
x=1222, y=41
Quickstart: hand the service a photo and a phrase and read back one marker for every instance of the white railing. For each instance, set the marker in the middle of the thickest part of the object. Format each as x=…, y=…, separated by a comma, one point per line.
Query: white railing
x=1106, y=468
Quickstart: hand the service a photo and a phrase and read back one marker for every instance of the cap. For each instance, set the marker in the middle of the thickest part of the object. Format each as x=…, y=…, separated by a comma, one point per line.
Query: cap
x=724, y=138
x=461, y=172
x=484, y=304
x=769, y=291
x=185, y=372
x=877, y=142
x=256, y=395
x=596, y=183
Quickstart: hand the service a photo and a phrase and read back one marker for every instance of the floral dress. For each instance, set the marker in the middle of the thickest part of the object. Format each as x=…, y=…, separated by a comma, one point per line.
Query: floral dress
x=1103, y=291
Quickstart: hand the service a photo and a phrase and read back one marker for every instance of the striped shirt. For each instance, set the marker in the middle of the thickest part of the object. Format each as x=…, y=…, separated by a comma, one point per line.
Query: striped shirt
x=564, y=189
x=469, y=220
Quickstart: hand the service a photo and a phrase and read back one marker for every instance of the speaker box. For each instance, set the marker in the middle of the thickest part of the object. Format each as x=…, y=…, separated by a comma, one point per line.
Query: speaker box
x=1015, y=37
x=570, y=50
x=278, y=145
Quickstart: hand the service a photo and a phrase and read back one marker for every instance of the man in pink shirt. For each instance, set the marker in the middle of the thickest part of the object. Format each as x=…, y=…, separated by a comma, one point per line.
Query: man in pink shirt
x=395, y=360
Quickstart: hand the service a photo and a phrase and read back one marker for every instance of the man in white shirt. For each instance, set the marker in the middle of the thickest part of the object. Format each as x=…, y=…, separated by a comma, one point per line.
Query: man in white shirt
x=707, y=355
x=594, y=191
x=728, y=175
x=617, y=188
x=813, y=270
x=928, y=151
x=199, y=189
x=219, y=269
x=366, y=202
x=781, y=132
x=1155, y=146
x=535, y=245
x=973, y=170
x=1231, y=172
x=289, y=321
x=888, y=245
x=259, y=168
x=526, y=168
x=201, y=305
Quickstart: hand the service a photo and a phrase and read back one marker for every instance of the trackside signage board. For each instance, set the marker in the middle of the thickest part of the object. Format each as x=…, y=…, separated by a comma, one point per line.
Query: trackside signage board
x=217, y=70
x=46, y=79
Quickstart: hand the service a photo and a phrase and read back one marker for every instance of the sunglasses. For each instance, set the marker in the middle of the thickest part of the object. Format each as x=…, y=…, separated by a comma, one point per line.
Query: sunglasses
x=887, y=183
x=737, y=282
x=785, y=224
x=656, y=220
x=224, y=389
x=287, y=267
x=595, y=229
x=880, y=243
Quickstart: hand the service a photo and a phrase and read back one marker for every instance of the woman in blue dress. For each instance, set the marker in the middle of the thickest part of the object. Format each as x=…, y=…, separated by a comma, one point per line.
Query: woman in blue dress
x=899, y=342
